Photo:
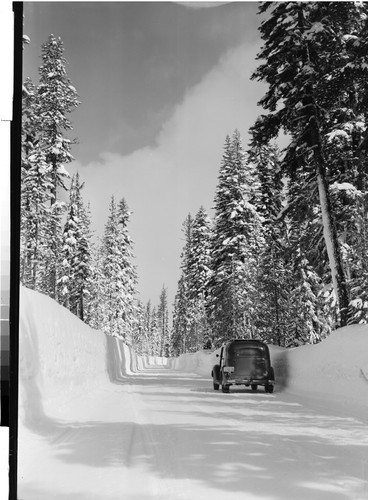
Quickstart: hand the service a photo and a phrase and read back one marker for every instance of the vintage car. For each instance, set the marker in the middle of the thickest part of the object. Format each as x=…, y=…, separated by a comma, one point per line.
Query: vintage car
x=243, y=362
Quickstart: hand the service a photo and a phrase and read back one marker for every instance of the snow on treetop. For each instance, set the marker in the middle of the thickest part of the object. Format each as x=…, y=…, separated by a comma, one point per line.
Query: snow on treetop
x=62, y=171
x=337, y=134
x=344, y=186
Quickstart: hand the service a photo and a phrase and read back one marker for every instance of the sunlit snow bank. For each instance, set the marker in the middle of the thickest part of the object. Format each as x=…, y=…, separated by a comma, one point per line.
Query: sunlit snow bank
x=200, y=362
x=336, y=370
x=61, y=358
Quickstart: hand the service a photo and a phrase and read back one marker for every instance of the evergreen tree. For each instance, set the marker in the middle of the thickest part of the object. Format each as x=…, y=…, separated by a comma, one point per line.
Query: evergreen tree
x=155, y=333
x=163, y=323
x=272, y=296
x=291, y=306
x=46, y=150
x=181, y=331
x=307, y=322
x=119, y=275
x=181, y=323
x=140, y=333
x=190, y=325
x=150, y=330
x=312, y=73
x=94, y=307
x=76, y=254
x=236, y=241
x=35, y=197
x=198, y=272
x=57, y=98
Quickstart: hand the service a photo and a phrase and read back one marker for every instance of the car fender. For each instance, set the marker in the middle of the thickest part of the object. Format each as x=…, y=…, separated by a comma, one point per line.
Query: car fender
x=216, y=373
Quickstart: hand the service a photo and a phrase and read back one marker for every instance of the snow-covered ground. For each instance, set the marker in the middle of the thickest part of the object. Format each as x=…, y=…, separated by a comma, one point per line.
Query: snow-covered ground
x=98, y=422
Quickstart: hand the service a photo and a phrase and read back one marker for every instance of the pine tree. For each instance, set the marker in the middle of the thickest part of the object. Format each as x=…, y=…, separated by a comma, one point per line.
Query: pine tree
x=94, y=307
x=190, y=325
x=139, y=332
x=182, y=315
x=198, y=272
x=35, y=196
x=163, y=323
x=181, y=321
x=272, y=296
x=119, y=274
x=291, y=306
x=155, y=333
x=56, y=99
x=150, y=330
x=236, y=241
x=76, y=253
x=307, y=322
x=45, y=151
x=309, y=70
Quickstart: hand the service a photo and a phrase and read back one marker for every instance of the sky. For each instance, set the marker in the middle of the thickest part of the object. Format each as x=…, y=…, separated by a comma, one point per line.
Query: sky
x=160, y=86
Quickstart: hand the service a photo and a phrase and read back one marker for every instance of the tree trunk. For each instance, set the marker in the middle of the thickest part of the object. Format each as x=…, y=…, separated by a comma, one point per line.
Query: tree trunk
x=329, y=230
x=332, y=245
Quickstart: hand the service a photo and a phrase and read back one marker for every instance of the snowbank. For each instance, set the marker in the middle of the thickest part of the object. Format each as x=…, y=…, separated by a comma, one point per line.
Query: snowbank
x=200, y=362
x=59, y=356
x=335, y=370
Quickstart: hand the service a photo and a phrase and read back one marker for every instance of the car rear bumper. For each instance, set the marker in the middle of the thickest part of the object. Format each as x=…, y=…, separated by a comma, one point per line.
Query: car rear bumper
x=248, y=381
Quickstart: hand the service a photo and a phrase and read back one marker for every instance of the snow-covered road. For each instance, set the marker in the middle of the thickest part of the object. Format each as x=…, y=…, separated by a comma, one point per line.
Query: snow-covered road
x=97, y=422
x=202, y=444
x=169, y=436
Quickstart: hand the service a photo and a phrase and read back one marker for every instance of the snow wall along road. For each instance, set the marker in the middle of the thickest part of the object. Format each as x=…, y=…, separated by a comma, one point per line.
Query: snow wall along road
x=61, y=358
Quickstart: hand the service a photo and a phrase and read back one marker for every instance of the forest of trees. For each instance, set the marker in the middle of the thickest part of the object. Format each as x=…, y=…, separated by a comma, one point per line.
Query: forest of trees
x=283, y=255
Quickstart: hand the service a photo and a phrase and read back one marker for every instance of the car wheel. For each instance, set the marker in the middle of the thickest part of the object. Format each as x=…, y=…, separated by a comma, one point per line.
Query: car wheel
x=216, y=386
x=225, y=388
x=254, y=387
x=269, y=388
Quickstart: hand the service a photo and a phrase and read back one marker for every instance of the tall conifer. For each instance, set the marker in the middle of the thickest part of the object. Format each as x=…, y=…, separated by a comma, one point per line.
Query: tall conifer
x=119, y=274
x=236, y=241
x=312, y=63
x=56, y=98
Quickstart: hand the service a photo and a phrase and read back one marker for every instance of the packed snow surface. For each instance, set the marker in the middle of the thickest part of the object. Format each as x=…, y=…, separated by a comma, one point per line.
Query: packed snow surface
x=98, y=422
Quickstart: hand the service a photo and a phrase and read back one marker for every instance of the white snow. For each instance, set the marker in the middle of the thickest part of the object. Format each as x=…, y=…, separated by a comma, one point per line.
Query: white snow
x=98, y=422
x=344, y=186
x=339, y=133
x=316, y=27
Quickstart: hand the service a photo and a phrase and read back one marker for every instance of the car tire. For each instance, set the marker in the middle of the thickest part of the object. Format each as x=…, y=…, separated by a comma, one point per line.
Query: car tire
x=216, y=386
x=254, y=387
x=225, y=388
x=269, y=388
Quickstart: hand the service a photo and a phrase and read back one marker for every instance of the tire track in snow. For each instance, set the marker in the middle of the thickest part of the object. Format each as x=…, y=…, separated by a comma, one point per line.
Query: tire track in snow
x=164, y=457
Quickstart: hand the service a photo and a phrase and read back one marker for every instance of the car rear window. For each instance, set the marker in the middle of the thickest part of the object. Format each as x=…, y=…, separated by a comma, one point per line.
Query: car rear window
x=245, y=352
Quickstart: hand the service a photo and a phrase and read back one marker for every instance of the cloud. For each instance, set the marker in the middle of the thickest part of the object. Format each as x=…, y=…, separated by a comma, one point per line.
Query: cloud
x=163, y=183
x=201, y=5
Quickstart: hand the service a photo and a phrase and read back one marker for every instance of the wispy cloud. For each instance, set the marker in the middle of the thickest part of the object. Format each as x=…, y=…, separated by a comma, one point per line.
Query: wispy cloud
x=201, y=5
x=163, y=183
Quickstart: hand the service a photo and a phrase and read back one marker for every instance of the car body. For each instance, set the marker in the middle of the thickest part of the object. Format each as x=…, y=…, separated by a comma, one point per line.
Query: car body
x=244, y=362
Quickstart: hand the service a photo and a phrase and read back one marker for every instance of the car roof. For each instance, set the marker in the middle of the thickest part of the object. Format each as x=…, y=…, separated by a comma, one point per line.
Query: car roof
x=241, y=343
x=250, y=342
